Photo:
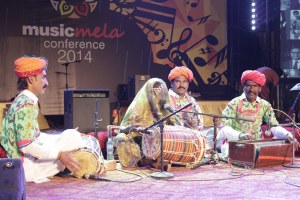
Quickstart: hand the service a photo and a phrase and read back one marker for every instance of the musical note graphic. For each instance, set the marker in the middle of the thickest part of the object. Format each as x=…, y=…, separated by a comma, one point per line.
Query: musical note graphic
x=156, y=18
x=216, y=78
x=154, y=13
x=148, y=28
x=207, y=50
x=212, y=40
x=201, y=20
x=194, y=4
x=220, y=57
x=185, y=36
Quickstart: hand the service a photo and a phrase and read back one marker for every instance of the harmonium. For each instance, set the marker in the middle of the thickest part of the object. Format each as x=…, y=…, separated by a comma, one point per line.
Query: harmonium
x=260, y=153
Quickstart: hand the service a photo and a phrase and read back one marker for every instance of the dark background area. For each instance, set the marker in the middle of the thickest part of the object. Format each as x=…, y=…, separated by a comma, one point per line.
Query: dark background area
x=250, y=49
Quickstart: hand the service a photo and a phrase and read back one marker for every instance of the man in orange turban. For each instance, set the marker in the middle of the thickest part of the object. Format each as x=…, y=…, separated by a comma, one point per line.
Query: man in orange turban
x=30, y=66
x=180, y=77
x=42, y=155
x=249, y=106
x=181, y=71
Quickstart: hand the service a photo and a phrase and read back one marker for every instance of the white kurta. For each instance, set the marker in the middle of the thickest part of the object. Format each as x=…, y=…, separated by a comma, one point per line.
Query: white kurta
x=45, y=149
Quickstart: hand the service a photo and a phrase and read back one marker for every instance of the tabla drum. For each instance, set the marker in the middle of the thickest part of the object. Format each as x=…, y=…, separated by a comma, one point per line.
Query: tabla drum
x=89, y=157
x=180, y=145
x=89, y=162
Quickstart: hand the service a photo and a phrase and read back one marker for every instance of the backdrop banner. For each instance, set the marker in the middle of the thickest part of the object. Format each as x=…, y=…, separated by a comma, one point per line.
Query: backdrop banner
x=98, y=44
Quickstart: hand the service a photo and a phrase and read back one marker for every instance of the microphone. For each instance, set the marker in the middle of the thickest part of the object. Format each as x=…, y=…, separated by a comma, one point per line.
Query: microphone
x=187, y=105
x=95, y=177
x=146, y=131
x=167, y=107
x=268, y=132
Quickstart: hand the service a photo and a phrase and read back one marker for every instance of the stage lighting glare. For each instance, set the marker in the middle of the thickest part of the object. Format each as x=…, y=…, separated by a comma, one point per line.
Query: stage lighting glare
x=253, y=22
x=253, y=28
x=253, y=16
x=253, y=10
x=253, y=4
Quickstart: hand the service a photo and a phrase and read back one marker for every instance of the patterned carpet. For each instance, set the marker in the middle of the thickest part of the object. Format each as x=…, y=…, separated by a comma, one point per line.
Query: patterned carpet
x=220, y=181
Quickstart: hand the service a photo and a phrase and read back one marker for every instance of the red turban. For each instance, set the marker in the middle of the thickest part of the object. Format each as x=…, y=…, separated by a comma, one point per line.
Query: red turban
x=30, y=66
x=254, y=76
x=181, y=71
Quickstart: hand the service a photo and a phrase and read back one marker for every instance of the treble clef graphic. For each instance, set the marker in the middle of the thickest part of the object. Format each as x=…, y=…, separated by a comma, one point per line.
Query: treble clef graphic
x=185, y=36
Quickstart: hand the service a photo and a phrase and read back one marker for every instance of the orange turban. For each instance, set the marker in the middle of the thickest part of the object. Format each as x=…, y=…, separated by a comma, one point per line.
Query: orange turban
x=254, y=76
x=30, y=66
x=181, y=71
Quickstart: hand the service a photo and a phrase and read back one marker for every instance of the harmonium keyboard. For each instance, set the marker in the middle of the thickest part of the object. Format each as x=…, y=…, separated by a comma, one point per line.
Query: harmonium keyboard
x=260, y=153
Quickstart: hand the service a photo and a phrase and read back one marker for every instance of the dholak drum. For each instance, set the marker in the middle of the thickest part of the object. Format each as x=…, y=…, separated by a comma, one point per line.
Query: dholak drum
x=180, y=145
x=89, y=157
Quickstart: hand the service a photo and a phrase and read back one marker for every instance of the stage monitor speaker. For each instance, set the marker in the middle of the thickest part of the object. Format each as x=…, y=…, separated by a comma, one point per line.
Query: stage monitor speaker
x=80, y=109
x=135, y=83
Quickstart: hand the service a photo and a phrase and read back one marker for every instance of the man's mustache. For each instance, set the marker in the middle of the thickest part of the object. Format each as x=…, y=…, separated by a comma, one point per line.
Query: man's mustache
x=181, y=87
x=255, y=93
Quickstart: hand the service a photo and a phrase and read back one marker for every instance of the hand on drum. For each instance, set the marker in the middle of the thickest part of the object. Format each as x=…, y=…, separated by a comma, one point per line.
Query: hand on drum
x=69, y=161
x=296, y=143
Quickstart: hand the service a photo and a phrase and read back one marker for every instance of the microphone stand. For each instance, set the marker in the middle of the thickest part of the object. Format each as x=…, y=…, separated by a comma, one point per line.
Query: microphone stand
x=159, y=123
x=292, y=164
x=66, y=64
x=96, y=121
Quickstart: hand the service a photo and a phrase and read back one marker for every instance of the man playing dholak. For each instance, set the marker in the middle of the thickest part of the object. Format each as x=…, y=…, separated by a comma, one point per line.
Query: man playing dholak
x=42, y=155
x=180, y=78
x=249, y=106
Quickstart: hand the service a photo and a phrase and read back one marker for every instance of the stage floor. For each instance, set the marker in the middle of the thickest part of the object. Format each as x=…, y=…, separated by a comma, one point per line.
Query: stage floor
x=220, y=181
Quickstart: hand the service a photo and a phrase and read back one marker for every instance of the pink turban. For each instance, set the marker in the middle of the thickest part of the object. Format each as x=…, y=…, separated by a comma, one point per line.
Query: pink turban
x=181, y=71
x=254, y=76
x=30, y=66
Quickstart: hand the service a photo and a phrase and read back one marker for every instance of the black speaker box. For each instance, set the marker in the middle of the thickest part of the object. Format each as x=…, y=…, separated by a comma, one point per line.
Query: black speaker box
x=135, y=83
x=82, y=107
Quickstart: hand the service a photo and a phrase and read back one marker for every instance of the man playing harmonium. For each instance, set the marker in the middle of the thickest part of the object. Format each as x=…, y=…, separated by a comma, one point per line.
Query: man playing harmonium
x=249, y=106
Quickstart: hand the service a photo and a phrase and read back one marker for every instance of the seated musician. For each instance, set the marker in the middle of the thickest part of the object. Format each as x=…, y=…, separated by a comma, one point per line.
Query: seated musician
x=180, y=77
x=21, y=138
x=249, y=106
x=146, y=108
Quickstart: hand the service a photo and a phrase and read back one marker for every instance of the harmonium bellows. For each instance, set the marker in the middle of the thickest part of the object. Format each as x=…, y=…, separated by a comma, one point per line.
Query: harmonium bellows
x=260, y=153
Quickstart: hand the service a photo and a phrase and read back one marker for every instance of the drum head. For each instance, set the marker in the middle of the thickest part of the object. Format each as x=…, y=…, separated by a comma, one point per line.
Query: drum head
x=92, y=144
x=89, y=162
x=151, y=145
